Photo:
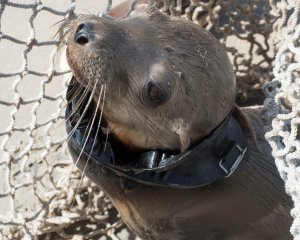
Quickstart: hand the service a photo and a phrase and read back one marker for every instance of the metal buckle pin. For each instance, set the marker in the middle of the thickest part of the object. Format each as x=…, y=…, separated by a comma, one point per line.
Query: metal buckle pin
x=236, y=162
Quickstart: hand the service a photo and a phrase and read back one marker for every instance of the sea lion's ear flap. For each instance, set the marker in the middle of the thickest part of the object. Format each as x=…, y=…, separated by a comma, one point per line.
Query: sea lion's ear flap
x=181, y=128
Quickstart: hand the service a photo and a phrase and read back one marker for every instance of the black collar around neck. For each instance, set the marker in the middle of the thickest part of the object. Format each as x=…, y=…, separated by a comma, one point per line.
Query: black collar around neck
x=215, y=157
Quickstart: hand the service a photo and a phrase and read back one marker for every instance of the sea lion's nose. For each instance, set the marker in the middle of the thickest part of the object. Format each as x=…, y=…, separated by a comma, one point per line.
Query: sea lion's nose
x=84, y=33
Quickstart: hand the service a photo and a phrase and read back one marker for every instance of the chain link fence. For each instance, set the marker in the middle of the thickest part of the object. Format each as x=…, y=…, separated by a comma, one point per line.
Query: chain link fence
x=41, y=192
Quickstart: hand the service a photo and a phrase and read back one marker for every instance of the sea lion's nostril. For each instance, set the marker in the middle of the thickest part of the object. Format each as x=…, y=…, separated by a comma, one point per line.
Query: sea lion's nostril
x=83, y=33
x=81, y=38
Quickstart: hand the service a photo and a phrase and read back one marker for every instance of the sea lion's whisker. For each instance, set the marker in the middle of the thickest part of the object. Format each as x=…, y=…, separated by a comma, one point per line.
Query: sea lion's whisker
x=62, y=32
x=74, y=95
x=80, y=181
x=79, y=102
x=83, y=113
x=101, y=112
x=87, y=137
x=91, y=125
x=84, y=135
x=73, y=90
x=81, y=99
x=100, y=118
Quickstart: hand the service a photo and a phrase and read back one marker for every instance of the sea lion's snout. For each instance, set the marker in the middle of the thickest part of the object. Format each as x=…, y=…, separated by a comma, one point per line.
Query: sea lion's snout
x=84, y=33
x=90, y=49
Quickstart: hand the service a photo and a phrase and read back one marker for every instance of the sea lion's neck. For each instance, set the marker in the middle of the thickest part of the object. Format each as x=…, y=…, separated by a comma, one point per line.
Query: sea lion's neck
x=259, y=165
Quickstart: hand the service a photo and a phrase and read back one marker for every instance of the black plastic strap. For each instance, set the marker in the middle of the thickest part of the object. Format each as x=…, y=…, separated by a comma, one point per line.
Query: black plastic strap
x=214, y=158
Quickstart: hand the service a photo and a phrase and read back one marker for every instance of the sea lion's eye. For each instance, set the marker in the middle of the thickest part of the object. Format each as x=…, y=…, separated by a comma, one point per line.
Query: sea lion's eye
x=155, y=95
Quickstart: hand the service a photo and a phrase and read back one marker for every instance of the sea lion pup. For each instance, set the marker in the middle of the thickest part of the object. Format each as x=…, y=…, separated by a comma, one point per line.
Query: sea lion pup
x=170, y=90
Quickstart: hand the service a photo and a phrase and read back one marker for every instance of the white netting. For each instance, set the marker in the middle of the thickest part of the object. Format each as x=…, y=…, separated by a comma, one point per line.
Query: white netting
x=38, y=180
x=283, y=103
x=38, y=187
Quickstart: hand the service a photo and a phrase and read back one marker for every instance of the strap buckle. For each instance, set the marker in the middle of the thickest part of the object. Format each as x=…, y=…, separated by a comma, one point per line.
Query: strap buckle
x=230, y=170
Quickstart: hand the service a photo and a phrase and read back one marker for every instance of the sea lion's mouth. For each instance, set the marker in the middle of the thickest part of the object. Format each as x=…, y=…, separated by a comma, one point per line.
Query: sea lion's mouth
x=215, y=157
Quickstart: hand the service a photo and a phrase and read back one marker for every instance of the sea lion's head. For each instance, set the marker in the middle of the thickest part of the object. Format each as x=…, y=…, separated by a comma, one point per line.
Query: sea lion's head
x=169, y=82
